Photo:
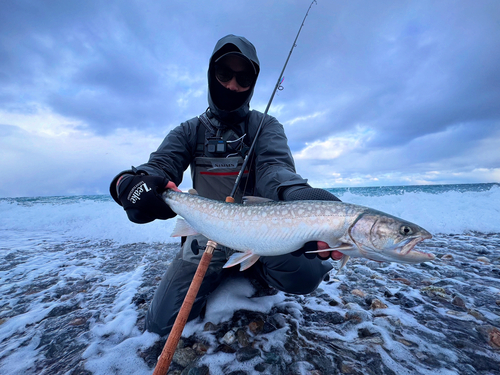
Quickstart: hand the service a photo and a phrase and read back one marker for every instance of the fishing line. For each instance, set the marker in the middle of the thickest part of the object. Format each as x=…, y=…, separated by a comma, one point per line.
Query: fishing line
x=249, y=156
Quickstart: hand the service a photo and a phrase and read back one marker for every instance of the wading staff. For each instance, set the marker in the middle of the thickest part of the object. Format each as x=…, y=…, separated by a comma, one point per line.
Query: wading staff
x=230, y=198
x=175, y=334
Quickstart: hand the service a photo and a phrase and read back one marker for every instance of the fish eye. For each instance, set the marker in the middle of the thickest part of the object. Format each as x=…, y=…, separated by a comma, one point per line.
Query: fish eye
x=405, y=230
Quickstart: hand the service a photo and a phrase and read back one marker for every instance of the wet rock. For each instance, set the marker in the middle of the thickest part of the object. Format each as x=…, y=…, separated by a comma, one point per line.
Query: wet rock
x=247, y=353
x=429, y=281
x=476, y=314
x=78, y=322
x=229, y=338
x=202, y=370
x=357, y=316
x=378, y=304
x=348, y=368
x=184, y=357
x=278, y=320
x=403, y=280
x=209, y=326
x=459, y=302
x=358, y=293
x=483, y=260
x=256, y=326
x=225, y=349
x=242, y=337
x=434, y=291
x=491, y=335
x=272, y=357
x=200, y=348
x=388, y=293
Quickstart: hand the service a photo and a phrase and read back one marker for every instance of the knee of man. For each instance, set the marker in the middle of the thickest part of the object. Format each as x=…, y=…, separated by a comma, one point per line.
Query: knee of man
x=306, y=283
x=296, y=275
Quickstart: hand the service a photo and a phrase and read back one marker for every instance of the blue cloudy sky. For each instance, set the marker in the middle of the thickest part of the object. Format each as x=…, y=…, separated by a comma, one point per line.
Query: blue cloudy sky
x=376, y=92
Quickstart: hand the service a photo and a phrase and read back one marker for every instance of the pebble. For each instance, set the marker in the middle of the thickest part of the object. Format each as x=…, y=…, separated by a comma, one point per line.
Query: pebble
x=184, y=356
x=229, y=338
x=434, y=291
x=247, y=353
x=457, y=301
x=200, y=348
x=357, y=315
x=209, y=327
x=242, y=337
x=476, y=314
x=483, y=260
x=403, y=280
x=358, y=293
x=491, y=335
x=494, y=338
x=378, y=304
x=256, y=326
x=78, y=321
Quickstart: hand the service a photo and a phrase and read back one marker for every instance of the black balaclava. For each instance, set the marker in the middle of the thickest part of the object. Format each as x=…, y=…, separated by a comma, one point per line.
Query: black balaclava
x=228, y=106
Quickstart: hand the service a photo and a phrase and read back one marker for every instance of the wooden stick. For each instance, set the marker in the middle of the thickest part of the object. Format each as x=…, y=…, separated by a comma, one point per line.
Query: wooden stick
x=180, y=322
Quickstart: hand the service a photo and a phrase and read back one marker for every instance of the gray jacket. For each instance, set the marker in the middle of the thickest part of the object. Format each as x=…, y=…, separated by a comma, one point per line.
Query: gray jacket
x=273, y=165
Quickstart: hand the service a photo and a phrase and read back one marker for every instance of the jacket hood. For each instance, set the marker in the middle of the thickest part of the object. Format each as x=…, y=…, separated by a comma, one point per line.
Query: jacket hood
x=231, y=43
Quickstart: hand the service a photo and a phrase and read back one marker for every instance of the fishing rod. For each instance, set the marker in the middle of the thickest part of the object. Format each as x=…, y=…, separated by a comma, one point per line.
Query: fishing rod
x=230, y=198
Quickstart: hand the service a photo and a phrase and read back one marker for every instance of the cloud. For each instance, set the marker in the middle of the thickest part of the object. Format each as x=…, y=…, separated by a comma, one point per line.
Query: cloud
x=386, y=92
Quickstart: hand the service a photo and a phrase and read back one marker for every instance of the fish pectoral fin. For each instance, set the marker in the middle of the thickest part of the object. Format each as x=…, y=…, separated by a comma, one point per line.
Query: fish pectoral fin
x=249, y=262
x=182, y=228
x=250, y=199
x=341, y=247
x=245, y=260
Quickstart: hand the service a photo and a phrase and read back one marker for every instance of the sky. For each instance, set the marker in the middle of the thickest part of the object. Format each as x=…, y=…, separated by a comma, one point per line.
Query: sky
x=376, y=93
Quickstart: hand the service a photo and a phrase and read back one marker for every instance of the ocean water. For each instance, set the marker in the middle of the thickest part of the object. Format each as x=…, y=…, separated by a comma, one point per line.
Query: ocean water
x=76, y=277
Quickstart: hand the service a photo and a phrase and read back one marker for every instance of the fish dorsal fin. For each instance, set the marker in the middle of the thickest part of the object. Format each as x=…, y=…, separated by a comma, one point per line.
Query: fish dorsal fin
x=249, y=200
x=192, y=192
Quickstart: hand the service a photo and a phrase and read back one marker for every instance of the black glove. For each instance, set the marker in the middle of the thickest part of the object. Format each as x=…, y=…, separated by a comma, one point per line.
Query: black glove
x=302, y=193
x=308, y=246
x=140, y=196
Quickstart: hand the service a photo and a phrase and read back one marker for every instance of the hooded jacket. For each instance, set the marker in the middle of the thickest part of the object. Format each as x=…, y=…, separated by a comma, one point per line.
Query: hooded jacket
x=273, y=164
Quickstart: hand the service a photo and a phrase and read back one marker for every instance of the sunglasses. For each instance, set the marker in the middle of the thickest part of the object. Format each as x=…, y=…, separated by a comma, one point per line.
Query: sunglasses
x=225, y=74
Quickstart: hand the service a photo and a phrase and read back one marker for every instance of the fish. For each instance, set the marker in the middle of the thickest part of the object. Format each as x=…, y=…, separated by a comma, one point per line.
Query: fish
x=262, y=227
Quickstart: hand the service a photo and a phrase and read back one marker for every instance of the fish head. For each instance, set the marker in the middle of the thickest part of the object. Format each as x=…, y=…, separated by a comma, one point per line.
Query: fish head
x=383, y=237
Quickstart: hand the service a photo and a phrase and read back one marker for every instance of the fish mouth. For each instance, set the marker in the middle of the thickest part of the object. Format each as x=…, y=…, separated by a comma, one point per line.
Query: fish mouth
x=413, y=255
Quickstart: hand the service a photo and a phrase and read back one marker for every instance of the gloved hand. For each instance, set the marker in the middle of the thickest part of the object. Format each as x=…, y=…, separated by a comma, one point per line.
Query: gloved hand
x=317, y=245
x=140, y=196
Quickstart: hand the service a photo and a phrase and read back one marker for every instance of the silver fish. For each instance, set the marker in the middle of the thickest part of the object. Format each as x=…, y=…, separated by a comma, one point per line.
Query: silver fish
x=261, y=227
